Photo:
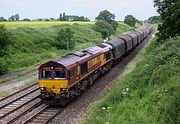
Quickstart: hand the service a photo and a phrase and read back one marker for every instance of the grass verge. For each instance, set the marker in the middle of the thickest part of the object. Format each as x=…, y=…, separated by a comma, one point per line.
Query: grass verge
x=147, y=95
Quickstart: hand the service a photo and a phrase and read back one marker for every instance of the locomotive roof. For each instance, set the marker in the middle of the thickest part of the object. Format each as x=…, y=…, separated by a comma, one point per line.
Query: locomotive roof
x=78, y=56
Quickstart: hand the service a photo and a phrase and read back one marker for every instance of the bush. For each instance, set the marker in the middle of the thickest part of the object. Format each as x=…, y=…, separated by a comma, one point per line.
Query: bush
x=5, y=40
x=64, y=39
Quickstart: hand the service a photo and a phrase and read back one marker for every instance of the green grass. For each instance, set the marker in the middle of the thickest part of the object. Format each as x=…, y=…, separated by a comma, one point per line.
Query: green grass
x=148, y=94
x=36, y=45
x=34, y=42
x=123, y=29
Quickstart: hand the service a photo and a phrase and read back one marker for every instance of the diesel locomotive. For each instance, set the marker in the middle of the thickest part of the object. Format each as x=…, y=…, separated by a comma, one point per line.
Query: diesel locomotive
x=63, y=79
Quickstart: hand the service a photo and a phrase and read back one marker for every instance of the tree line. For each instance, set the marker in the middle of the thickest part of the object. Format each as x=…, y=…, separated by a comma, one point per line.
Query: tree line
x=107, y=25
x=153, y=20
x=12, y=18
x=62, y=17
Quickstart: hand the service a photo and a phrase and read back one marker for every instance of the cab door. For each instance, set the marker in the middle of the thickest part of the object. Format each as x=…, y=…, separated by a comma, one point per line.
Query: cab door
x=71, y=75
x=78, y=72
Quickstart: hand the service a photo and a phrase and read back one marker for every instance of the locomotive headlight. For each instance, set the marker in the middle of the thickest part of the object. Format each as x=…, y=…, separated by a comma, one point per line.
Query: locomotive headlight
x=42, y=88
x=63, y=89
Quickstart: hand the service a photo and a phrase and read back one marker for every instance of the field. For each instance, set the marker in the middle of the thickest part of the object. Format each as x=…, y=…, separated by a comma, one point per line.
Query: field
x=38, y=24
x=147, y=92
x=35, y=42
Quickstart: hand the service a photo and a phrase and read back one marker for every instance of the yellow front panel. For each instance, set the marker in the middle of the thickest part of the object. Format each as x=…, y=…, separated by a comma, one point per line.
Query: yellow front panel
x=53, y=86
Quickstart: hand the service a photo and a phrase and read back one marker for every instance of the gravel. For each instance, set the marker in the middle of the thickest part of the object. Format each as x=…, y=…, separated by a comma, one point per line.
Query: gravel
x=6, y=87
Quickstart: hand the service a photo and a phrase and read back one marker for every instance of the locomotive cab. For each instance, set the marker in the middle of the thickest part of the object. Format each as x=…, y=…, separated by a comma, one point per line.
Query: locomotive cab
x=52, y=80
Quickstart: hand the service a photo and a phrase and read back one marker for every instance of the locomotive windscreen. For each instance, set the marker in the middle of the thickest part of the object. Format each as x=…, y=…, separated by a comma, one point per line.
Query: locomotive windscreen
x=45, y=74
x=53, y=74
x=59, y=74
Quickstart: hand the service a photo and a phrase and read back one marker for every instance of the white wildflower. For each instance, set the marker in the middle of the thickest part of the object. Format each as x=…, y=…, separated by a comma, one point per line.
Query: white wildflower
x=124, y=93
x=108, y=107
x=127, y=89
x=103, y=108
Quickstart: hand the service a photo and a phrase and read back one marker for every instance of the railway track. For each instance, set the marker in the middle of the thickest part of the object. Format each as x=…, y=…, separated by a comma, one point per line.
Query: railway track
x=18, y=95
x=15, y=107
x=44, y=116
x=23, y=100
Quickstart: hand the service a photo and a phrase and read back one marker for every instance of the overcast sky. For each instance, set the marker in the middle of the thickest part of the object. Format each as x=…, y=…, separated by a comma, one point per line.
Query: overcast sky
x=141, y=9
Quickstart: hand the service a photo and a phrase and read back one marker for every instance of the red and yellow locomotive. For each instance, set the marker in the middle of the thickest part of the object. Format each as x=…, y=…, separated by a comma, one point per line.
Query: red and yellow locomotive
x=62, y=79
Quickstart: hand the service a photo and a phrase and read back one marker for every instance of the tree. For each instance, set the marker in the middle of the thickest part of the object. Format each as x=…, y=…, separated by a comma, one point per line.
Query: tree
x=60, y=17
x=105, y=16
x=130, y=20
x=64, y=18
x=169, y=11
x=153, y=20
x=2, y=19
x=106, y=24
x=12, y=18
x=26, y=19
x=104, y=28
x=114, y=25
x=16, y=16
x=5, y=40
x=138, y=21
x=64, y=39
x=86, y=19
x=105, y=33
